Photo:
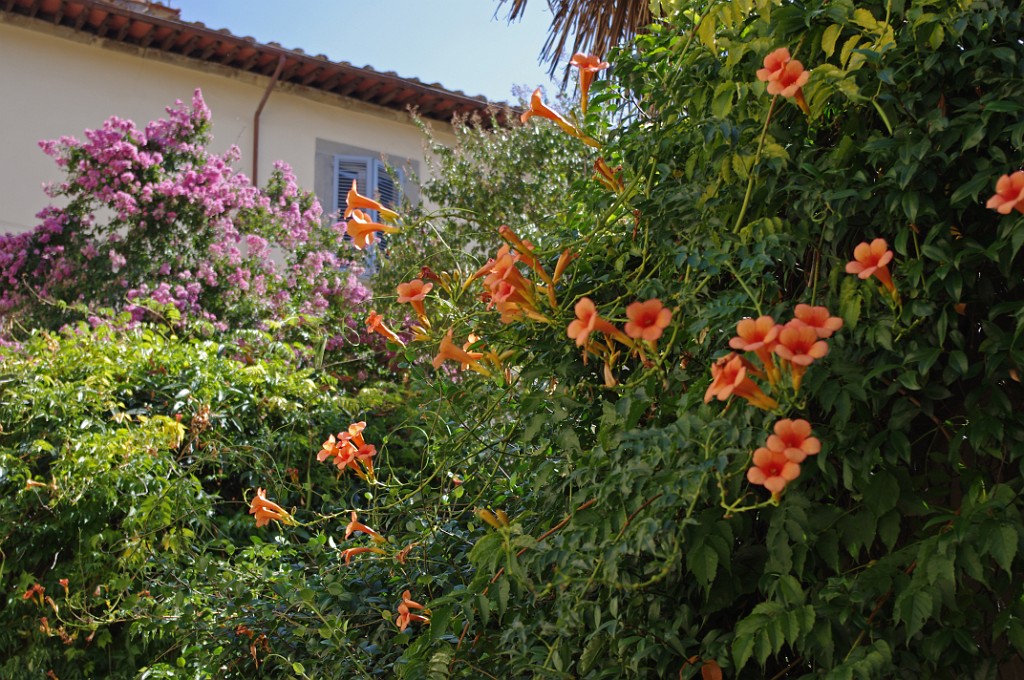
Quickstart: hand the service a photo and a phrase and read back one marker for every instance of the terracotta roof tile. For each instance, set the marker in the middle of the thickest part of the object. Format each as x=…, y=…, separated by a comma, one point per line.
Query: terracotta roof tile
x=153, y=25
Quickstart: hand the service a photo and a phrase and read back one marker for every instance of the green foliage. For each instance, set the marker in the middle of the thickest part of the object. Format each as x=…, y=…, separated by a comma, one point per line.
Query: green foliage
x=592, y=510
x=893, y=552
x=127, y=463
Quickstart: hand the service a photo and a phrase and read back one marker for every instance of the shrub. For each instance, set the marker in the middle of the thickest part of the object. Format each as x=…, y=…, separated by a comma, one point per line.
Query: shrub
x=155, y=224
x=128, y=459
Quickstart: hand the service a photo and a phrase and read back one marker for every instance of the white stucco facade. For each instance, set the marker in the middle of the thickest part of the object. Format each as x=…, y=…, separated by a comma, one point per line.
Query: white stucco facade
x=55, y=81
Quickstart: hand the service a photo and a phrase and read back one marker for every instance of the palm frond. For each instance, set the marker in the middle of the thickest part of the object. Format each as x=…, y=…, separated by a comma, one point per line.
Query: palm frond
x=598, y=25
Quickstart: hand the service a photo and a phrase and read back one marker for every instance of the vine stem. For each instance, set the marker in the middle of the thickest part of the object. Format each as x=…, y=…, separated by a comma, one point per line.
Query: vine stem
x=750, y=294
x=753, y=167
x=781, y=674
x=878, y=606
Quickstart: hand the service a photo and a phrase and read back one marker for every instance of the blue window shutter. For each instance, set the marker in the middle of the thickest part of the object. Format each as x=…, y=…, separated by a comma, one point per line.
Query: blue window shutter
x=346, y=170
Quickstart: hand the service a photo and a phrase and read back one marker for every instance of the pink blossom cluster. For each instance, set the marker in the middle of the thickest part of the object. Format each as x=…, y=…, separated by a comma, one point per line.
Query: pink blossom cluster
x=150, y=214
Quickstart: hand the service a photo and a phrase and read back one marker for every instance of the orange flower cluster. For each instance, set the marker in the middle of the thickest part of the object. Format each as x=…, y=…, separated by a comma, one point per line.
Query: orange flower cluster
x=349, y=450
x=778, y=462
x=508, y=289
x=36, y=592
x=647, y=321
x=785, y=76
x=359, y=225
x=797, y=344
x=872, y=259
x=514, y=295
x=1009, y=194
x=405, y=615
x=266, y=510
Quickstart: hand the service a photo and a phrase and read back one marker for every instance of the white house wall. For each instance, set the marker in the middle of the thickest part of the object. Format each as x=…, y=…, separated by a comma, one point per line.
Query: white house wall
x=56, y=82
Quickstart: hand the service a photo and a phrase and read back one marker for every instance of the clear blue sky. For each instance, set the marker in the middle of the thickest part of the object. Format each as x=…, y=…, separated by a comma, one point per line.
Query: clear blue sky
x=460, y=44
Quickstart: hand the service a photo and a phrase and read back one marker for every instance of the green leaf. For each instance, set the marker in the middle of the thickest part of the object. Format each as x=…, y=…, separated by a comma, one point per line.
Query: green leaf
x=721, y=103
x=974, y=138
x=910, y=202
x=828, y=39
x=440, y=663
x=1003, y=106
x=857, y=531
x=971, y=188
x=848, y=47
x=958, y=362
x=850, y=301
x=439, y=619
x=889, y=529
x=1003, y=547
x=503, y=588
x=913, y=607
x=1015, y=633
x=742, y=648
x=592, y=652
x=789, y=588
x=706, y=31
x=882, y=493
x=298, y=668
x=703, y=562
x=484, y=607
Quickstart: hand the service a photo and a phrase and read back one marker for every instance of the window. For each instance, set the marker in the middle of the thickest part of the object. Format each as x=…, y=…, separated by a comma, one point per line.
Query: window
x=338, y=164
x=373, y=178
x=374, y=182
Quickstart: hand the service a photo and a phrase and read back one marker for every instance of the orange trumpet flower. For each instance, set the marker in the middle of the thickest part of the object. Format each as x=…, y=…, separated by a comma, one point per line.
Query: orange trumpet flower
x=588, y=65
x=729, y=377
x=819, y=319
x=758, y=336
x=785, y=76
x=1009, y=194
x=872, y=259
x=356, y=201
x=773, y=470
x=414, y=292
x=793, y=439
x=588, y=320
x=375, y=323
x=799, y=346
x=609, y=177
x=449, y=351
x=405, y=616
x=266, y=510
x=539, y=108
x=355, y=525
x=349, y=553
x=647, y=320
x=362, y=229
